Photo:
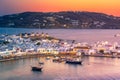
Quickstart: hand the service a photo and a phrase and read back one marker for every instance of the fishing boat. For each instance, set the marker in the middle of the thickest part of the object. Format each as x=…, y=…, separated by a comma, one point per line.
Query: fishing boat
x=36, y=68
x=47, y=58
x=73, y=61
x=41, y=62
x=117, y=35
x=57, y=60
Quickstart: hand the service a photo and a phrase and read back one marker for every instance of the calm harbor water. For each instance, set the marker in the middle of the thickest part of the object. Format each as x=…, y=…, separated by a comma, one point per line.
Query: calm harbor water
x=93, y=68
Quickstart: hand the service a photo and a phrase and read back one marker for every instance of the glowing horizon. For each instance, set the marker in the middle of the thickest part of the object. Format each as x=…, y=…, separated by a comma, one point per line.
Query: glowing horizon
x=110, y=7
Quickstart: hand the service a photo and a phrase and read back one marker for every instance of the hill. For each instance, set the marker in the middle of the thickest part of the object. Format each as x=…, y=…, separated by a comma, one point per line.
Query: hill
x=56, y=20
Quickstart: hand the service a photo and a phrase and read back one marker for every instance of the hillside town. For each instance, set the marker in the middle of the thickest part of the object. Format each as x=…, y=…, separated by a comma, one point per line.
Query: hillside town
x=30, y=44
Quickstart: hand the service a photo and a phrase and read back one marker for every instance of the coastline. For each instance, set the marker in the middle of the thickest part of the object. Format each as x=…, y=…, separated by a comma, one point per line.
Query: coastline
x=33, y=56
x=52, y=55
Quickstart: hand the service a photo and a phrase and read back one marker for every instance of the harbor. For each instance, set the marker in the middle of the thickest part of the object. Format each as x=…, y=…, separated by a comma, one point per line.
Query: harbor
x=21, y=52
x=59, y=40
x=91, y=69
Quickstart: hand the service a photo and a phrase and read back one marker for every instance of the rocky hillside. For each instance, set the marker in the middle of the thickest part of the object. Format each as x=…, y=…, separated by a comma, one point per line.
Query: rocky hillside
x=68, y=19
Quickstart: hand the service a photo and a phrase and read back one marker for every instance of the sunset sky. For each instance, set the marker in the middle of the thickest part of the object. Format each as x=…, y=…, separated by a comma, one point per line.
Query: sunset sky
x=111, y=7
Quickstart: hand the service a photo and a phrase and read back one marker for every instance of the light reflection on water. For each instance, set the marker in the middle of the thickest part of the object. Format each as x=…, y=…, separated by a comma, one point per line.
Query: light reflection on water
x=92, y=68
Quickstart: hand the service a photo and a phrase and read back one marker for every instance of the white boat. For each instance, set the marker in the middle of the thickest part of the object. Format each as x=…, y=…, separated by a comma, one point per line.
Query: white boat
x=117, y=35
x=47, y=58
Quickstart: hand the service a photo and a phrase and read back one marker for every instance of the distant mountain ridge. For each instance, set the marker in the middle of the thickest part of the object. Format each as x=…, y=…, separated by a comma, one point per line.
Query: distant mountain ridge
x=56, y=20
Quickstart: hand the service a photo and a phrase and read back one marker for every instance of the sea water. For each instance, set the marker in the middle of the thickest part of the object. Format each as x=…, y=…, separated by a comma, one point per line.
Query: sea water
x=92, y=68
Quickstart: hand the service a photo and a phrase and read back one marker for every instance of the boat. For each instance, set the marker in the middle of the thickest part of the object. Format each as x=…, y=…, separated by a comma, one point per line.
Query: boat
x=73, y=61
x=47, y=58
x=117, y=35
x=36, y=68
x=57, y=60
x=41, y=62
